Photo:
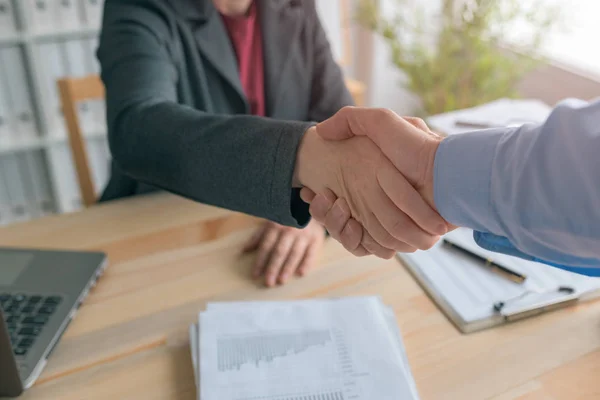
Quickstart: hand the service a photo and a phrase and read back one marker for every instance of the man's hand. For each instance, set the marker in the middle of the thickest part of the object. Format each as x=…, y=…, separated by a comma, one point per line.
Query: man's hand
x=285, y=251
x=407, y=142
x=394, y=215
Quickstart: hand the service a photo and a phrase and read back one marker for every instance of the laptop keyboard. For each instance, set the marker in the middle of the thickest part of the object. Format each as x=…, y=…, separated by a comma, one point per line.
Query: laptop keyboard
x=26, y=316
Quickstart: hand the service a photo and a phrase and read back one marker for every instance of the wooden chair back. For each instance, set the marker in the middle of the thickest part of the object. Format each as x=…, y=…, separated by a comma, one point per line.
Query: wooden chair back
x=72, y=91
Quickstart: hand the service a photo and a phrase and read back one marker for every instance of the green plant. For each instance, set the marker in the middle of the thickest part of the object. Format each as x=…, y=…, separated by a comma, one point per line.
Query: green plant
x=459, y=58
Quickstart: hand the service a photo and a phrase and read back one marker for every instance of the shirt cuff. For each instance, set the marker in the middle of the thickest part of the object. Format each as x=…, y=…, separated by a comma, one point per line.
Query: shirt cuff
x=499, y=244
x=462, y=179
x=286, y=204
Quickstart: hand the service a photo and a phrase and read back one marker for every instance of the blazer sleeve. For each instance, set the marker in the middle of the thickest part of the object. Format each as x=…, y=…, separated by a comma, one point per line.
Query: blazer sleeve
x=243, y=163
x=329, y=92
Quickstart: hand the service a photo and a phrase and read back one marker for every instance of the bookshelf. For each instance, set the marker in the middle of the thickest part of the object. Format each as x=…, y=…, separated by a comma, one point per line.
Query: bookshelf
x=37, y=175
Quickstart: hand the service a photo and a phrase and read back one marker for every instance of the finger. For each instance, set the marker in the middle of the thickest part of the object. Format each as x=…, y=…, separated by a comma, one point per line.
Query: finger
x=327, y=209
x=309, y=260
x=420, y=124
x=320, y=206
x=406, y=198
x=380, y=234
x=350, y=234
x=292, y=263
x=351, y=238
x=269, y=240
x=396, y=224
x=383, y=217
x=254, y=241
x=307, y=195
x=279, y=254
x=337, y=217
x=361, y=252
x=417, y=123
x=375, y=248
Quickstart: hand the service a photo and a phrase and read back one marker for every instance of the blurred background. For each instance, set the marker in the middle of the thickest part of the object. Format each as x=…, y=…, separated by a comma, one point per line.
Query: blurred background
x=417, y=57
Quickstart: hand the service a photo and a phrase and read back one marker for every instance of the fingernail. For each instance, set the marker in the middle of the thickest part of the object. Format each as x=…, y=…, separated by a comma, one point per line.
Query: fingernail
x=337, y=213
x=320, y=206
x=284, y=278
x=348, y=231
x=442, y=229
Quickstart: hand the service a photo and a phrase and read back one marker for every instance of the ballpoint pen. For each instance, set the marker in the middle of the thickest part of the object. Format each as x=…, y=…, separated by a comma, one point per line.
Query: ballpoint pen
x=493, y=266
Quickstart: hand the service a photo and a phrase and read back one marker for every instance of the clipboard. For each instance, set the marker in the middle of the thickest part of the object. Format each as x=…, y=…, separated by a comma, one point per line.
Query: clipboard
x=468, y=293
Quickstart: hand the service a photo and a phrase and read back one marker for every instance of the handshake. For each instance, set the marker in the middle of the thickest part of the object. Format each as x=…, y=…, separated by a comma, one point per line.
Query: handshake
x=368, y=176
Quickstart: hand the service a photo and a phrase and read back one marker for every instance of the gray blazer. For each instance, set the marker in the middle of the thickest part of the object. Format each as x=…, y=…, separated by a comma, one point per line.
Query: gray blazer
x=177, y=115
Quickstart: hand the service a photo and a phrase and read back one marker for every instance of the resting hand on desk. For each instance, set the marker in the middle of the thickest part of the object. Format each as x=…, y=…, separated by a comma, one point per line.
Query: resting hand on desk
x=283, y=251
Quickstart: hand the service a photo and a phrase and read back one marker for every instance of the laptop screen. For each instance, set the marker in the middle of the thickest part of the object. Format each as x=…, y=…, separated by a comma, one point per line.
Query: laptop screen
x=12, y=264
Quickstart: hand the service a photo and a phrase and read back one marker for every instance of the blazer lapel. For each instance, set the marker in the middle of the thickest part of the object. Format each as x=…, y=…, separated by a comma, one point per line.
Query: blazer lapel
x=280, y=22
x=214, y=43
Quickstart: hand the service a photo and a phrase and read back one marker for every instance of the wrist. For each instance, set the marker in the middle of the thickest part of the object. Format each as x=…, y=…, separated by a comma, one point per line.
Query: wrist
x=427, y=189
x=307, y=159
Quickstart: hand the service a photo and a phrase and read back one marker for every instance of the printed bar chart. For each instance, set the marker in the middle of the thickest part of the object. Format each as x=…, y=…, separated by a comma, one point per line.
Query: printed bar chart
x=233, y=352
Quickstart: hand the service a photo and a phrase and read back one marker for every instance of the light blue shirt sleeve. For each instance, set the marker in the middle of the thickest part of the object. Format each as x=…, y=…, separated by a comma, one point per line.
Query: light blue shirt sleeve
x=531, y=192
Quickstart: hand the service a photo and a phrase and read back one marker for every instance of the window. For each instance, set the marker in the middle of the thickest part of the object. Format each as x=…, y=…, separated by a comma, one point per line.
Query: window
x=577, y=43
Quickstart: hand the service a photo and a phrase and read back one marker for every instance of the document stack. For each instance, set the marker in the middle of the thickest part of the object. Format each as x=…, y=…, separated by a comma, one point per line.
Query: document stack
x=496, y=114
x=329, y=349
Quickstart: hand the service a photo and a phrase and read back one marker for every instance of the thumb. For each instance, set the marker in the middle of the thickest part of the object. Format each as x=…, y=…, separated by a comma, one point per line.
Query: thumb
x=401, y=140
x=374, y=123
x=338, y=126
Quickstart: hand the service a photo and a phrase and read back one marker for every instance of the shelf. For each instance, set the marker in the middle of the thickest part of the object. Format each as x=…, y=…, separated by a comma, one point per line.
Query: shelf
x=84, y=33
x=13, y=39
x=41, y=37
x=21, y=145
x=41, y=142
x=54, y=140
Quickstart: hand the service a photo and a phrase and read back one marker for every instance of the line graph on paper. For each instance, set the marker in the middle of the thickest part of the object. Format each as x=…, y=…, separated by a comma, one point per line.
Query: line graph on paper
x=307, y=364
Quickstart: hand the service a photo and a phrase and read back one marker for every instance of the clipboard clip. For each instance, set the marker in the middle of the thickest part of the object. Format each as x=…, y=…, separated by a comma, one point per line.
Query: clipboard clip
x=538, y=307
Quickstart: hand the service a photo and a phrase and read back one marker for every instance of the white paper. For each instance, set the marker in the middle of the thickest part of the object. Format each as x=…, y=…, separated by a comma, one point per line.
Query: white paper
x=471, y=290
x=499, y=113
x=194, y=337
x=327, y=349
x=378, y=307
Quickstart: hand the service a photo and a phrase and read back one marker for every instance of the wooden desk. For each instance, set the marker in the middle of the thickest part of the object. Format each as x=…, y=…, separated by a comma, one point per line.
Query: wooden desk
x=170, y=256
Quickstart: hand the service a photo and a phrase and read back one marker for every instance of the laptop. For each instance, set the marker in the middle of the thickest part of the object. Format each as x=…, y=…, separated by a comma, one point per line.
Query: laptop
x=40, y=292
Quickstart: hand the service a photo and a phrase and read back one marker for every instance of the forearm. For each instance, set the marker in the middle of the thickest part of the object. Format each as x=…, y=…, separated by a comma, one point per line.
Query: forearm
x=241, y=163
x=539, y=187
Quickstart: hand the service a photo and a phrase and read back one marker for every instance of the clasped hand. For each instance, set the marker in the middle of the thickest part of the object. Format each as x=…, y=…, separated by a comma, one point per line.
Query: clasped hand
x=368, y=175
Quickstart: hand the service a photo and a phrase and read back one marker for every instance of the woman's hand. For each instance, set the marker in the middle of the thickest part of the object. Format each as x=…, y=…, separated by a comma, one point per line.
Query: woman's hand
x=284, y=251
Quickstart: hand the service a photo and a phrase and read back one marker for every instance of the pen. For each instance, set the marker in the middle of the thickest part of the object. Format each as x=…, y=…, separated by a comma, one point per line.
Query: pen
x=490, y=264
